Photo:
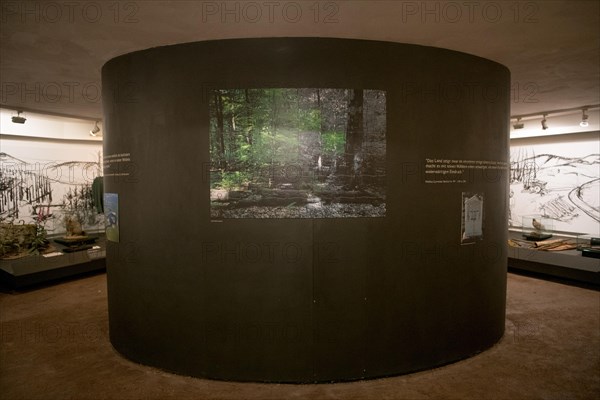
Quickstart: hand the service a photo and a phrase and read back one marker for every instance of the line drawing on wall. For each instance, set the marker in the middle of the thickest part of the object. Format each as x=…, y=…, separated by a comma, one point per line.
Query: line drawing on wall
x=586, y=198
x=564, y=188
x=56, y=187
x=20, y=185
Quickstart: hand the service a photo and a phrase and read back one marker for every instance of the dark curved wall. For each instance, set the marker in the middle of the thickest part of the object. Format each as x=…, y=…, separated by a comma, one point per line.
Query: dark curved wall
x=329, y=299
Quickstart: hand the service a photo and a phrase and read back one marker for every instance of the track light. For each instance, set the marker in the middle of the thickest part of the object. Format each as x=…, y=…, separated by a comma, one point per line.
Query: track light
x=95, y=129
x=518, y=124
x=544, y=123
x=561, y=124
x=584, y=118
x=17, y=119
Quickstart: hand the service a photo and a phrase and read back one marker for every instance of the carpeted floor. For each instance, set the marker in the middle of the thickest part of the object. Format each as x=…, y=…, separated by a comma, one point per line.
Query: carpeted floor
x=54, y=345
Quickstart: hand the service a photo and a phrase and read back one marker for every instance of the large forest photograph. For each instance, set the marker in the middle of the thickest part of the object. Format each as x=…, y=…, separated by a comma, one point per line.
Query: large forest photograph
x=297, y=153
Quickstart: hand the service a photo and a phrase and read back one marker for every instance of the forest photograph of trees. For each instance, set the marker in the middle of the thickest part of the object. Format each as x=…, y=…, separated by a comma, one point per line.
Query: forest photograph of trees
x=297, y=153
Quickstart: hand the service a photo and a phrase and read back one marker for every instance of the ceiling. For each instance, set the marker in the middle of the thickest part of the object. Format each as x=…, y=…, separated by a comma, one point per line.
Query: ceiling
x=51, y=53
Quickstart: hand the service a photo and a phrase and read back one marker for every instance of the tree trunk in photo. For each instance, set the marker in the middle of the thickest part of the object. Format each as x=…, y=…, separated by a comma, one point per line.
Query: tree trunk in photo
x=248, y=107
x=354, y=136
x=320, y=119
x=232, y=141
x=319, y=99
x=274, y=126
x=220, y=138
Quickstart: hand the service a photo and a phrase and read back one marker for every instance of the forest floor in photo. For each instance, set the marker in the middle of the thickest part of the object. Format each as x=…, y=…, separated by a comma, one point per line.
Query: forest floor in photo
x=333, y=210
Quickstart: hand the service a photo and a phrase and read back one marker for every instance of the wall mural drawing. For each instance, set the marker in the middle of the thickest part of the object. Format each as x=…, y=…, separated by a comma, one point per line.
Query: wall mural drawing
x=562, y=185
x=586, y=196
x=297, y=153
x=60, y=190
x=19, y=186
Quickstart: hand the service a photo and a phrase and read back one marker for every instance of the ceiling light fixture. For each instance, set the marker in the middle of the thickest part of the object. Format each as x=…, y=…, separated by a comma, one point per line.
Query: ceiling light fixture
x=517, y=120
x=95, y=129
x=18, y=119
x=518, y=124
x=544, y=122
x=584, y=118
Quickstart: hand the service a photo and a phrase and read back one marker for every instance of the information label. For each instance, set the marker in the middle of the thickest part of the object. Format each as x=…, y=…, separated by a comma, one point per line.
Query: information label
x=441, y=170
x=117, y=164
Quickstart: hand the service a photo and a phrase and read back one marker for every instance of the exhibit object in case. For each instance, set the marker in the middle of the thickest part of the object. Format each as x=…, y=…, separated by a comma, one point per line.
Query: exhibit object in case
x=536, y=227
x=588, y=245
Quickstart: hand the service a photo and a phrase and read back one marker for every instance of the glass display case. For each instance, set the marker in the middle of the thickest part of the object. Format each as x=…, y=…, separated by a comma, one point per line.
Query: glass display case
x=588, y=245
x=536, y=227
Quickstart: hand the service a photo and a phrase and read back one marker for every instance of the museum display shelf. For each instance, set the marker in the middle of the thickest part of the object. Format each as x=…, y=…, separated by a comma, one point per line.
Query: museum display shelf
x=34, y=269
x=566, y=264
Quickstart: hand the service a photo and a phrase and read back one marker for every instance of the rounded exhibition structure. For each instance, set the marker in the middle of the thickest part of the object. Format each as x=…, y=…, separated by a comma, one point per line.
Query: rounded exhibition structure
x=305, y=209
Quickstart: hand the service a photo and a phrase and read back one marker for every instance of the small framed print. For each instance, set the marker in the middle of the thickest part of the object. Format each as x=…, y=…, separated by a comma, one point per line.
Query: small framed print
x=472, y=218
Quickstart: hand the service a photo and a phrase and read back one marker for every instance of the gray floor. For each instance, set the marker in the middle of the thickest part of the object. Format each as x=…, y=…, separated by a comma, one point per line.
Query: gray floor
x=54, y=345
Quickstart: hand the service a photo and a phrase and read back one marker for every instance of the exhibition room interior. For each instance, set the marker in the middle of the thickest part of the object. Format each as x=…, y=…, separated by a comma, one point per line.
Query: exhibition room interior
x=344, y=199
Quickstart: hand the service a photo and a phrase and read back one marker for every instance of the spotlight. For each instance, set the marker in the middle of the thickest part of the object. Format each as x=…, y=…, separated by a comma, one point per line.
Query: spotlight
x=17, y=119
x=95, y=129
x=544, y=123
x=518, y=124
x=584, y=118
